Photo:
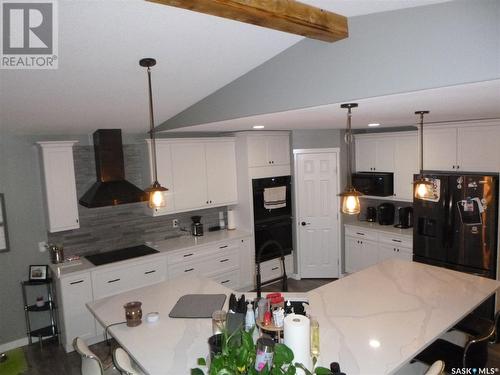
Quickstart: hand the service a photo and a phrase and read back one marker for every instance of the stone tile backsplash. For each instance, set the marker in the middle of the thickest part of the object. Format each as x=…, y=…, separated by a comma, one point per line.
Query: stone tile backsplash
x=107, y=228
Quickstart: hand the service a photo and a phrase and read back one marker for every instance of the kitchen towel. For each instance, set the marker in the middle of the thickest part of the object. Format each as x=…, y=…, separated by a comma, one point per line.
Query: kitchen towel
x=297, y=337
x=275, y=197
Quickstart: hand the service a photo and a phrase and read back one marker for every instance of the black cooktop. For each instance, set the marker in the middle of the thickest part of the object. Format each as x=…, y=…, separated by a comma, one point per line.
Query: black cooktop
x=121, y=254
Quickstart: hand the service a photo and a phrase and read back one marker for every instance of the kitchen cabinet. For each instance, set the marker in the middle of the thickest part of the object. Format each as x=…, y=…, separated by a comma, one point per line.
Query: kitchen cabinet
x=374, y=154
x=366, y=247
x=75, y=320
x=465, y=147
x=268, y=150
x=199, y=173
x=59, y=185
x=405, y=166
x=440, y=148
x=360, y=253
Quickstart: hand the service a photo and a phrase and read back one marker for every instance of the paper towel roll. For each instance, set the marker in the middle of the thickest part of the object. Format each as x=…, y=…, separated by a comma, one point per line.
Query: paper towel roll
x=231, y=221
x=297, y=337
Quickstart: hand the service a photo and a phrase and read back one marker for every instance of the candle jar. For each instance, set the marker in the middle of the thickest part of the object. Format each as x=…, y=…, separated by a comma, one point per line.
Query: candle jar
x=218, y=321
x=133, y=313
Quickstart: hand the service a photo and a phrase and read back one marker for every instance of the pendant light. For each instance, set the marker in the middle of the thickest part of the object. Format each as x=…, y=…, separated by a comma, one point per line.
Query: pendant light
x=350, y=196
x=422, y=187
x=155, y=191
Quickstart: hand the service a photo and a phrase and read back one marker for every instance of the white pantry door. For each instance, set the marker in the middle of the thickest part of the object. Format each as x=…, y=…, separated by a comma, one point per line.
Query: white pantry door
x=317, y=214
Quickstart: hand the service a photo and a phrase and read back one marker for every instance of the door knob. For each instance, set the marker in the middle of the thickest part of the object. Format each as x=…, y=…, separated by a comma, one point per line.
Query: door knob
x=304, y=223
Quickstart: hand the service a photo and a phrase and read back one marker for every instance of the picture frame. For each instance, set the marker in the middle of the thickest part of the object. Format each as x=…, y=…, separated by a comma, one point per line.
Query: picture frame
x=38, y=272
x=4, y=234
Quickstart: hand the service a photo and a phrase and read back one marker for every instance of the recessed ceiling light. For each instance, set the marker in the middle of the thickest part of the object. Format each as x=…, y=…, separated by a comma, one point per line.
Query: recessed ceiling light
x=258, y=126
x=373, y=124
x=375, y=343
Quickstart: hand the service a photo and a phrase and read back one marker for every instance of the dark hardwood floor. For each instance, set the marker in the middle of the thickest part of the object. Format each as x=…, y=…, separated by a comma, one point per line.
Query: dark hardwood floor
x=53, y=360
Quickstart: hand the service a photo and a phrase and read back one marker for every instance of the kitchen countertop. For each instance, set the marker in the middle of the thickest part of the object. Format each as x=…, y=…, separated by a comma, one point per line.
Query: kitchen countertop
x=182, y=242
x=366, y=331
x=382, y=228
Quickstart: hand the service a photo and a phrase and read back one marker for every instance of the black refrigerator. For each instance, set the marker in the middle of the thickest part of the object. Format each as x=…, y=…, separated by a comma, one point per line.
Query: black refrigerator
x=457, y=226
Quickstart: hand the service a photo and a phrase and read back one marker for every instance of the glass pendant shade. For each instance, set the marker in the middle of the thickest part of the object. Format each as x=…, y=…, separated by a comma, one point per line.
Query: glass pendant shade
x=423, y=189
x=350, y=201
x=156, y=195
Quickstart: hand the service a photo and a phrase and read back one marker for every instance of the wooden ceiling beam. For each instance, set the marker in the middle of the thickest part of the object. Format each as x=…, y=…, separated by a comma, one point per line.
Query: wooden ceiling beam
x=284, y=15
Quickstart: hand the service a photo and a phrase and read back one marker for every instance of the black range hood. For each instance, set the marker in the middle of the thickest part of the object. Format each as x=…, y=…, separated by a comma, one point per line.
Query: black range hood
x=111, y=187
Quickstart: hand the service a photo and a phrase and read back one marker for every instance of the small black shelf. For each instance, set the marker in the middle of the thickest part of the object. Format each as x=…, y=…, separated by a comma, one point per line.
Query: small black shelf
x=49, y=305
x=44, y=331
x=46, y=306
x=37, y=282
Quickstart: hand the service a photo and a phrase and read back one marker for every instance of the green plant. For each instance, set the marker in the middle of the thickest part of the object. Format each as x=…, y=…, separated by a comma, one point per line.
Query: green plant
x=238, y=358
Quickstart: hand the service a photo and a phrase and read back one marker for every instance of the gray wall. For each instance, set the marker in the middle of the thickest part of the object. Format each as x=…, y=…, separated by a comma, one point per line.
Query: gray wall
x=386, y=53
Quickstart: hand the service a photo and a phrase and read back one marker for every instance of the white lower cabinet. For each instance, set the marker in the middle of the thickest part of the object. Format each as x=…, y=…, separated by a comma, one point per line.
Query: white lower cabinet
x=364, y=248
x=75, y=320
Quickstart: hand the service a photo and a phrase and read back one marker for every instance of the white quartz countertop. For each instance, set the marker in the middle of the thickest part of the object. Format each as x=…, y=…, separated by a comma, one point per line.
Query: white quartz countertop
x=371, y=322
x=390, y=229
x=183, y=242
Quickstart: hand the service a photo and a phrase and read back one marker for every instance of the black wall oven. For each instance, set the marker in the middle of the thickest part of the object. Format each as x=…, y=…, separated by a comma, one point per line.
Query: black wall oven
x=272, y=224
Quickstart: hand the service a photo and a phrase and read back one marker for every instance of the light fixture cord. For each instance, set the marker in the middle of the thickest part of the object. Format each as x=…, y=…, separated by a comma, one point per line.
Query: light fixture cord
x=421, y=143
x=348, y=140
x=151, y=129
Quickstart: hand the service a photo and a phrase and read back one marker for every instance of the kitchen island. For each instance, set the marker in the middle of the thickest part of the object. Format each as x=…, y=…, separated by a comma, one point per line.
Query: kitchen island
x=371, y=322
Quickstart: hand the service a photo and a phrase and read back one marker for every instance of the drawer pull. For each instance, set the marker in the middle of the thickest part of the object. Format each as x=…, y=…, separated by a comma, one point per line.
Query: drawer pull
x=222, y=247
x=274, y=268
x=188, y=255
x=225, y=281
x=189, y=270
x=224, y=260
x=361, y=234
x=113, y=281
x=396, y=240
x=148, y=272
x=76, y=282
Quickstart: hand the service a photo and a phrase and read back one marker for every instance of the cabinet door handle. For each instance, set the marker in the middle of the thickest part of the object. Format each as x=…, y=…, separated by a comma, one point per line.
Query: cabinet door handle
x=361, y=234
x=77, y=220
x=148, y=272
x=453, y=167
x=458, y=166
x=76, y=282
x=396, y=240
x=189, y=270
x=223, y=247
x=113, y=281
x=224, y=260
x=274, y=268
x=187, y=255
x=225, y=281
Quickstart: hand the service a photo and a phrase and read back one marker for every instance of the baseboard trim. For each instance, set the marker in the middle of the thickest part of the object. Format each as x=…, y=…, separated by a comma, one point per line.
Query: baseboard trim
x=294, y=276
x=13, y=344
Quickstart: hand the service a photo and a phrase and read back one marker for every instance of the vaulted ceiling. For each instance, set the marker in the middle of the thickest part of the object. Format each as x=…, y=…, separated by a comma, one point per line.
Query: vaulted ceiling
x=99, y=83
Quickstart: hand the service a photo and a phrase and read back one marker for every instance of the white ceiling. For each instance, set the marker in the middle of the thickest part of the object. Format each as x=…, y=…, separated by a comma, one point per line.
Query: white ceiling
x=99, y=83
x=464, y=102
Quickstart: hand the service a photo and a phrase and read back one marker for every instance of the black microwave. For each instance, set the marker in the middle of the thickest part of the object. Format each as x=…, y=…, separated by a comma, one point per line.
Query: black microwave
x=374, y=183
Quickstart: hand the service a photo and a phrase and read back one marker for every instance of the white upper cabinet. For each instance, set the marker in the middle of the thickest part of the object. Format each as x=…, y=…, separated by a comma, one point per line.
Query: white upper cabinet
x=190, y=175
x=479, y=148
x=374, y=154
x=440, y=148
x=199, y=173
x=268, y=150
x=60, y=185
x=463, y=148
x=405, y=166
x=221, y=172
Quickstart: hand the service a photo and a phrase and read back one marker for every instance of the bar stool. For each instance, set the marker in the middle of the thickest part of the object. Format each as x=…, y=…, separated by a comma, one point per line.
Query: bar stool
x=91, y=364
x=124, y=363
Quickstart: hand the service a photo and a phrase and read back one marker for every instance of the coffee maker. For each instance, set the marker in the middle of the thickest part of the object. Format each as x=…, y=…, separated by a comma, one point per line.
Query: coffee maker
x=405, y=217
x=196, y=226
x=385, y=213
x=371, y=214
